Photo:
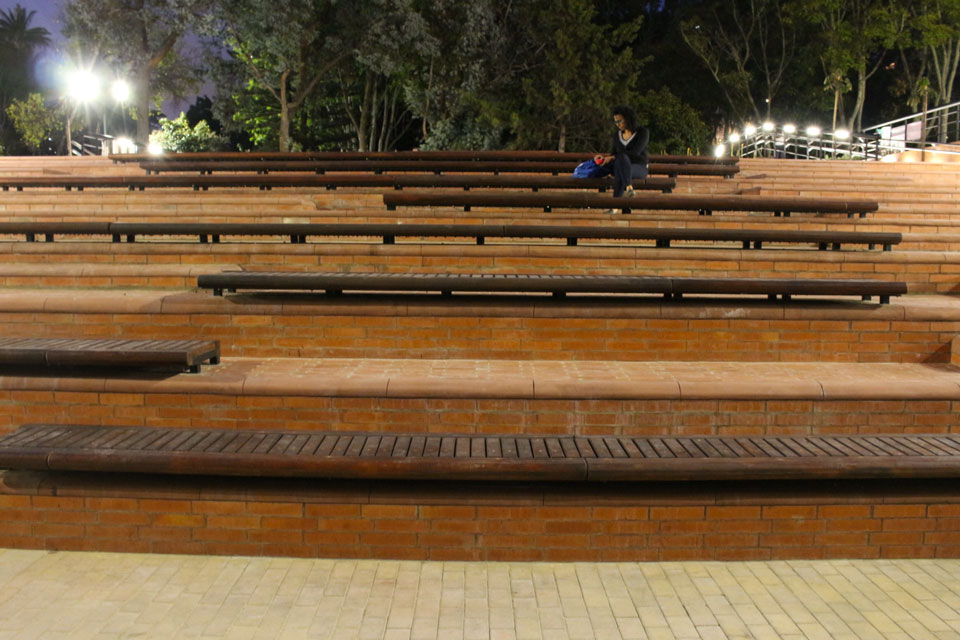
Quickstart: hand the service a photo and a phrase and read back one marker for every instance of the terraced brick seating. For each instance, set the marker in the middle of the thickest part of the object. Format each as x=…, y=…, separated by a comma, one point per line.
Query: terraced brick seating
x=299, y=232
x=704, y=205
x=125, y=354
x=266, y=182
x=427, y=156
x=336, y=283
x=437, y=167
x=469, y=457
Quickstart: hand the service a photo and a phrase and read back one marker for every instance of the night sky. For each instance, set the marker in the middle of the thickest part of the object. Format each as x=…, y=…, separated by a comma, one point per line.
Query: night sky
x=47, y=16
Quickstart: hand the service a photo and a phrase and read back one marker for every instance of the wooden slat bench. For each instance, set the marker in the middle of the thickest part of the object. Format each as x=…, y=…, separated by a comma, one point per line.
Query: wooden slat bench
x=336, y=283
x=704, y=205
x=299, y=232
x=428, y=156
x=437, y=167
x=79, y=352
x=330, y=182
x=476, y=457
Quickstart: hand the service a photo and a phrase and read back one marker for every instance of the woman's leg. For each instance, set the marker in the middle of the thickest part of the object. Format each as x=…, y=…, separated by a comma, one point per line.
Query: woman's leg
x=622, y=174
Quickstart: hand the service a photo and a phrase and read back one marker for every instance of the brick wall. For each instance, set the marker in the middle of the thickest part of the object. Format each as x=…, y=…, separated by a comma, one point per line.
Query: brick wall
x=646, y=522
x=500, y=328
x=474, y=415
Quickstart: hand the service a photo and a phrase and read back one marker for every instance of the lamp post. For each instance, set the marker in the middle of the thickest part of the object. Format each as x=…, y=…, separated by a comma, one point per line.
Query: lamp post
x=120, y=91
x=82, y=87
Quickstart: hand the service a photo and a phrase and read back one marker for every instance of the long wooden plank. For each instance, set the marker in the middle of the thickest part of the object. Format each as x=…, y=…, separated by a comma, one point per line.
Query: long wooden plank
x=299, y=232
x=450, y=456
x=338, y=282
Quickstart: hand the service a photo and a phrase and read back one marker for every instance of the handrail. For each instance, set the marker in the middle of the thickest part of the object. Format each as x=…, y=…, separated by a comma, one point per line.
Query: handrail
x=919, y=114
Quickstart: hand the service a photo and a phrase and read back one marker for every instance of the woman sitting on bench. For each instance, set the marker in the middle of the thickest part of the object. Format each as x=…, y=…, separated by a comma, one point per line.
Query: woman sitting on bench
x=628, y=153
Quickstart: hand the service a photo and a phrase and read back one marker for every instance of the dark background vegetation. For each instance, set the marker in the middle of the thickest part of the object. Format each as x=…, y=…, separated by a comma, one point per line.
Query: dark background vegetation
x=537, y=74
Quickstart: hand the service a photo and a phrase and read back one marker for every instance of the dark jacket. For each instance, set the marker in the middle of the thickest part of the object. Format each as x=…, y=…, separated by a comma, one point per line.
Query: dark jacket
x=636, y=150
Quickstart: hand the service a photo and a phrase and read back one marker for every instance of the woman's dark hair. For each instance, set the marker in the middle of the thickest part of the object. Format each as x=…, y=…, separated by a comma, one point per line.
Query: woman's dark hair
x=630, y=120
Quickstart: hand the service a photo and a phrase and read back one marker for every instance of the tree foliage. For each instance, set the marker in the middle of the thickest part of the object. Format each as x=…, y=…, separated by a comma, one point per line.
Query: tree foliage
x=749, y=46
x=179, y=137
x=579, y=70
x=142, y=41
x=34, y=121
x=19, y=45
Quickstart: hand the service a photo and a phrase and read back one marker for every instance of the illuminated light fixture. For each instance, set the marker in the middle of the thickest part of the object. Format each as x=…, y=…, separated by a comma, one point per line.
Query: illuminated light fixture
x=82, y=86
x=155, y=148
x=749, y=130
x=789, y=129
x=841, y=134
x=734, y=137
x=120, y=90
x=813, y=131
x=124, y=145
x=720, y=150
x=768, y=126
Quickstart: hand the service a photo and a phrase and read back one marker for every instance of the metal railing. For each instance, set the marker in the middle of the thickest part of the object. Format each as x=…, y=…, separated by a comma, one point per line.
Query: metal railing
x=777, y=143
x=936, y=125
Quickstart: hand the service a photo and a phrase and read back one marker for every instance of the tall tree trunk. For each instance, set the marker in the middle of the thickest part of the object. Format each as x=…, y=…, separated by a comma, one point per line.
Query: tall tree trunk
x=362, y=128
x=562, y=142
x=426, y=106
x=374, y=112
x=284, y=114
x=141, y=92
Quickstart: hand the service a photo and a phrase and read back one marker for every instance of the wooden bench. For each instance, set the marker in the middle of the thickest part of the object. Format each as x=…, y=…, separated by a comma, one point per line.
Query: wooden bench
x=557, y=285
x=79, y=352
x=330, y=182
x=388, y=233
x=704, y=205
x=474, y=457
x=427, y=156
x=437, y=167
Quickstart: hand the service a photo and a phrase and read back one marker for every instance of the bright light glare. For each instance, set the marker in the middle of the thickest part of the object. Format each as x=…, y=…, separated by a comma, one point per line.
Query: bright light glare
x=813, y=131
x=789, y=129
x=155, y=148
x=749, y=130
x=120, y=90
x=841, y=134
x=82, y=86
x=124, y=145
x=720, y=150
x=768, y=126
x=734, y=137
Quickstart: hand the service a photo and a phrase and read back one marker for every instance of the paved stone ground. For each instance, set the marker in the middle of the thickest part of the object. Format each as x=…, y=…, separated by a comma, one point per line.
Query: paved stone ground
x=105, y=595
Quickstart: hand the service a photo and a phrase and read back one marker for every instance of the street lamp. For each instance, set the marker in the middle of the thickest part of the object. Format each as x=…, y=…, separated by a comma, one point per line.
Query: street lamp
x=120, y=90
x=82, y=87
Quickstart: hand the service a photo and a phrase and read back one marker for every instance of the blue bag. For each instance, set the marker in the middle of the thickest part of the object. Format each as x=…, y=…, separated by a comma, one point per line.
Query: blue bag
x=589, y=169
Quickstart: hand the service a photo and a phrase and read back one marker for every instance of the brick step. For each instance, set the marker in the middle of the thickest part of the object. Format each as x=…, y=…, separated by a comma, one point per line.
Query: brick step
x=177, y=265
x=912, y=329
x=467, y=522
x=560, y=397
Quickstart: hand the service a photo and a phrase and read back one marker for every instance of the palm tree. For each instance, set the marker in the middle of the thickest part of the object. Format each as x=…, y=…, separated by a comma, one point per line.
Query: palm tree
x=19, y=44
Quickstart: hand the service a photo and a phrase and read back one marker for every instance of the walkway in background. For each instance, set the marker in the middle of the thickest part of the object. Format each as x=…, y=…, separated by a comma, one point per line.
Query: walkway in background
x=106, y=595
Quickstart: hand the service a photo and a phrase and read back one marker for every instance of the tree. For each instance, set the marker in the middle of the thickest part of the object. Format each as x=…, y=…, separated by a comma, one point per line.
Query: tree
x=854, y=35
x=178, y=136
x=140, y=39
x=287, y=47
x=675, y=127
x=573, y=70
x=19, y=45
x=936, y=25
x=464, y=54
x=34, y=121
x=749, y=46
